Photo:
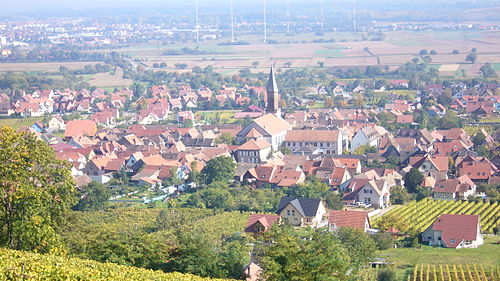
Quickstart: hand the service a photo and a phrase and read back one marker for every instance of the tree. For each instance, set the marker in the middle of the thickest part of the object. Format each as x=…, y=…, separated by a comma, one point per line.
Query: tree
x=333, y=200
x=472, y=57
x=423, y=52
x=225, y=138
x=360, y=246
x=311, y=188
x=386, y=275
x=383, y=240
x=36, y=192
x=432, y=52
x=455, y=52
x=287, y=64
x=413, y=179
x=93, y=197
x=212, y=198
x=314, y=255
x=478, y=139
x=450, y=120
x=255, y=64
x=422, y=193
x=181, y=65
x=399, y=195
x=220, y=168
x=392, y=220
x=487, y=71
x=138, y=89
x=473, y=50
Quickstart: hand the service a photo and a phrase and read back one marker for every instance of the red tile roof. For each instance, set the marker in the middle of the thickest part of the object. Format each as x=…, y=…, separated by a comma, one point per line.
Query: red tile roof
x=354, y=219
x=312, y=136
x=266, y=220
x=404, y=119
x=80, y=128
x=456, y=228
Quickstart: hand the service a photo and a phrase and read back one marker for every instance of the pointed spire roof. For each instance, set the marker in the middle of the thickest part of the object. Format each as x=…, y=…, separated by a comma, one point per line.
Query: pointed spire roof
x=272, y=86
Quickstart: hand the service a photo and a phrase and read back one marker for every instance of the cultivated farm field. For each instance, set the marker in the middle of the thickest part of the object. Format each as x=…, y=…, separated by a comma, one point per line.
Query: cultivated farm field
x=110, y=80
x=398, y=48
x=44, y=66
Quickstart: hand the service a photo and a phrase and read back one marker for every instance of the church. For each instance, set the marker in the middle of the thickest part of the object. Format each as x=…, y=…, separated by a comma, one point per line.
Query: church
x=271, y=127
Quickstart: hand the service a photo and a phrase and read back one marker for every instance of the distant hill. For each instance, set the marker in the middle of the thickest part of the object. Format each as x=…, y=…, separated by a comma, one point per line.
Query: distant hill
x=18, y=265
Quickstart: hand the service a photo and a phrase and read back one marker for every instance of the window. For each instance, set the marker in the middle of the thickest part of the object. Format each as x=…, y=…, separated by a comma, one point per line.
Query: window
x=429, y=238
x=293, y=212
x=452, y=241
x=439, y=238
x=287, y=212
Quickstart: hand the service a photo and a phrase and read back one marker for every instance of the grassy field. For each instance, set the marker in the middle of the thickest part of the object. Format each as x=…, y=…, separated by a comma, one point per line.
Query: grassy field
x=43, y=66
x=16, y=123
x=222, y=116
x=115, y=79
x=486, y=254
x=404, y=259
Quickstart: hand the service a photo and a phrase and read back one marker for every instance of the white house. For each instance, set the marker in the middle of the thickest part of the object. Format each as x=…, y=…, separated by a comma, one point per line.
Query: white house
x=56, y=123
x=365, y=136
x=272, y=128
x=303, y=211
x=454, y=231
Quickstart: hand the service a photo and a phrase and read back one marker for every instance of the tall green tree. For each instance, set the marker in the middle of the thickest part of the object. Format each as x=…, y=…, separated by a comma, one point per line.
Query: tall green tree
x=399, y=195
x=413, y=179
x=220, y=168
x=472, y=57
x=359, y=245
x=93, y=197
x=450, y=120
x=311, y=188
x=314, y=255
x=36, y=192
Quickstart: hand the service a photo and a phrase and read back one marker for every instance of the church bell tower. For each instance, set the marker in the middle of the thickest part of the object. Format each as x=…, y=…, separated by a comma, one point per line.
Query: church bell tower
x=272, y=102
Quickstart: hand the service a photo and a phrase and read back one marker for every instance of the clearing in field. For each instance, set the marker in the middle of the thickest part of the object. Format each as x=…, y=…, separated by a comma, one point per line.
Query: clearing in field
x=110, y=80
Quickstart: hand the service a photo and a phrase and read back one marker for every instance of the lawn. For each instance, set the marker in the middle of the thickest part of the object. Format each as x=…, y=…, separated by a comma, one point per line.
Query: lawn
x=485, y=254
x=222, y=116
x=406, y=258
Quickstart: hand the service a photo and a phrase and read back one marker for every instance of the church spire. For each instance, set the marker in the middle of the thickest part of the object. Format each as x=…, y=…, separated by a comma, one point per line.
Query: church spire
x=272, y=102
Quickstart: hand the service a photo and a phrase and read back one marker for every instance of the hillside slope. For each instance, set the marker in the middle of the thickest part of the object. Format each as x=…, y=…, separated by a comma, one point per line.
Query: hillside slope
x=18, y=265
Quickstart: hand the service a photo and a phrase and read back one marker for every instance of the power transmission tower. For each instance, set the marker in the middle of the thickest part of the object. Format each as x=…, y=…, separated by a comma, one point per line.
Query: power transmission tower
x=197, y=22
x=287, y=16
x=232, y=22
x=265, y=21
x=354, y=15
x=322, y=15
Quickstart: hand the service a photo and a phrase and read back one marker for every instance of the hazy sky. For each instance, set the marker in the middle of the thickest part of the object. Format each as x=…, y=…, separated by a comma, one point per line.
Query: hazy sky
x=34, y=5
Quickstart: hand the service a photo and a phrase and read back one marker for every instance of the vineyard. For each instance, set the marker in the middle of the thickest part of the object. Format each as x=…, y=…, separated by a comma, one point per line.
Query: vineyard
x=16, y=123
x=17, y=265
x=473, y=130
x=423, y=213
x=454, y=272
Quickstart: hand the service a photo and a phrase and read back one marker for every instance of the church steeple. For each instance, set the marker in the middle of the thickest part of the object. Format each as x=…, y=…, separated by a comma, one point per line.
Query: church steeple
x=272, y=102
